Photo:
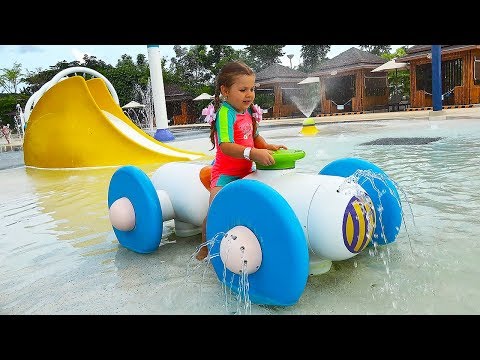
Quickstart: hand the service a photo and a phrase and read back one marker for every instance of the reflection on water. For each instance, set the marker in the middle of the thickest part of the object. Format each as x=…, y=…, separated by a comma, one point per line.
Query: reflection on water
x=59, y=255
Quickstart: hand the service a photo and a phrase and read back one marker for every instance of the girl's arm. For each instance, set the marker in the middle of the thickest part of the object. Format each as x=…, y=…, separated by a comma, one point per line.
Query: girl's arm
x=260, y=155
x=260, y=143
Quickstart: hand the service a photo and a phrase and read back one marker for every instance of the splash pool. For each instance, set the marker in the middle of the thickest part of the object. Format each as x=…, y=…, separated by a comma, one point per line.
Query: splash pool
x=59, y=255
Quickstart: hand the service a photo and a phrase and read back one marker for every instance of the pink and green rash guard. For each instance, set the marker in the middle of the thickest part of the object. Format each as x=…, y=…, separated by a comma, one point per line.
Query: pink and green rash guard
x=233, y=127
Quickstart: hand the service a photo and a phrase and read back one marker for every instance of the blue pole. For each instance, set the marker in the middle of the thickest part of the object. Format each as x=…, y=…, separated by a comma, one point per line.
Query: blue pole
x=436, y=77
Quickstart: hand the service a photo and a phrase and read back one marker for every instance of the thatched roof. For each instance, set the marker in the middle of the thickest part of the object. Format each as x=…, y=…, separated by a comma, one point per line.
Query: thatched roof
x=421, y=51
x=174, y=92
x=277, y=73
x=351, y=59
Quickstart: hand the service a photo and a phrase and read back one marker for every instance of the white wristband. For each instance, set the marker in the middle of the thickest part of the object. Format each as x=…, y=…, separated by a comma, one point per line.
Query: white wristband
x=246, y=153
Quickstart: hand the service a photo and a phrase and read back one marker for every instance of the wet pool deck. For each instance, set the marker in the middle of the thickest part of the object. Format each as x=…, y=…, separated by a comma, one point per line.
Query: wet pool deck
x=83, y=293
x=16, y=143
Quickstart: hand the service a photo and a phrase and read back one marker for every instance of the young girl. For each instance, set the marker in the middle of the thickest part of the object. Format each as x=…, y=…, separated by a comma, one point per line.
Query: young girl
x=6, y=132
x=234, y=131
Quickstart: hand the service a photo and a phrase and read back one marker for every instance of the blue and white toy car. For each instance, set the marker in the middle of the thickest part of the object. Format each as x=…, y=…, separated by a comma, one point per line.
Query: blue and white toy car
x=277, y=226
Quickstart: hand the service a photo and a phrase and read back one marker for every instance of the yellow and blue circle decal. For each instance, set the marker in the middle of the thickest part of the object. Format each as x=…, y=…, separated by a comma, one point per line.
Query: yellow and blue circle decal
x=358, y=224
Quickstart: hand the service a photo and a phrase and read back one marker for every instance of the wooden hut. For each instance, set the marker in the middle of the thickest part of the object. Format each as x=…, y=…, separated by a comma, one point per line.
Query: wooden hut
x=346, y=83
x=280, y=81
x=460, y=66
x=180, y=106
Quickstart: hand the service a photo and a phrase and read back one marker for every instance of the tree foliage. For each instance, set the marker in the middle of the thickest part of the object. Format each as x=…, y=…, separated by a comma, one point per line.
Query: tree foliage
x=312, y=56
x=8, y=103
x=259, y=57
x=11, y=78
x=193, y=68
x=398, y=80
x=189, y=66
x=376, y=49
x=219, y=55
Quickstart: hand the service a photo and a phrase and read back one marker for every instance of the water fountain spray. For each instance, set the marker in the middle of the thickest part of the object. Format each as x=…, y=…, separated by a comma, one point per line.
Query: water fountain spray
x=306, y=102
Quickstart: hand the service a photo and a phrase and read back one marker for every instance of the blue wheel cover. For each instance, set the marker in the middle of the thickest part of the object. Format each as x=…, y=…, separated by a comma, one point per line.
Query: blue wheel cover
x=132, y=183
x=391, y=217
x=283, y=273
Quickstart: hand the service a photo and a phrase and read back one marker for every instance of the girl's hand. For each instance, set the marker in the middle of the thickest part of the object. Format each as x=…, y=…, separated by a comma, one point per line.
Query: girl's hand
x=276, y=147
x=262, y=156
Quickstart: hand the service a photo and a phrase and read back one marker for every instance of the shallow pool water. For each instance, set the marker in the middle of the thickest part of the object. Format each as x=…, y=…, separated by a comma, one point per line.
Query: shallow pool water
x=59, y=255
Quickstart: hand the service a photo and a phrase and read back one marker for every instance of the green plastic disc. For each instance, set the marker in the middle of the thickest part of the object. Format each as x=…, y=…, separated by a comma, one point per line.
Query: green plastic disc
x=284, y=159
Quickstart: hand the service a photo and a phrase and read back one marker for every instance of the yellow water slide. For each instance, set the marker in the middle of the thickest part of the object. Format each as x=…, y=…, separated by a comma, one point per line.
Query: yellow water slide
x=76, y=123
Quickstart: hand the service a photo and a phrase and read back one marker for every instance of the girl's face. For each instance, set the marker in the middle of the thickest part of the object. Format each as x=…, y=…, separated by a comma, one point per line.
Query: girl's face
x=242, y=92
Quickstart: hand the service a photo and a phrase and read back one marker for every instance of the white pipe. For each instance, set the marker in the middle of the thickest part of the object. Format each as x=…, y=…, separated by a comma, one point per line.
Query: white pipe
x=188, y=196
x=158, y=91
x=320, y=203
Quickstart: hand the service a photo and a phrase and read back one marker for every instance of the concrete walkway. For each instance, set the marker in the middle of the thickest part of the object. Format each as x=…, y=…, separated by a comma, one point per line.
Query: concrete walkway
x=16, y=143
x=473, y=112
